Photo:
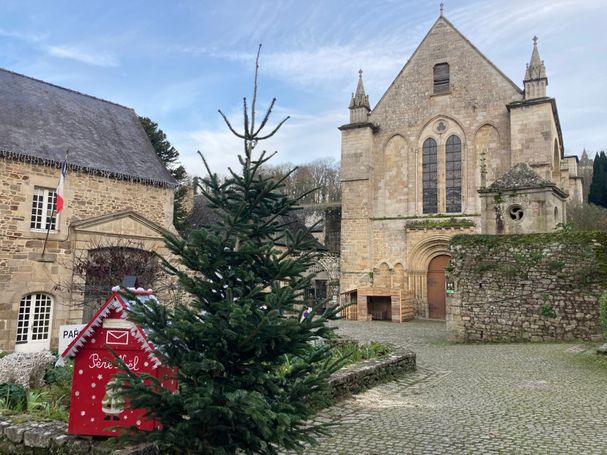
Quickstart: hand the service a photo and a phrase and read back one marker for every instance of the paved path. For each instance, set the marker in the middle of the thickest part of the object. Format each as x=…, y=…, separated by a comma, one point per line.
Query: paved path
x=473, y=399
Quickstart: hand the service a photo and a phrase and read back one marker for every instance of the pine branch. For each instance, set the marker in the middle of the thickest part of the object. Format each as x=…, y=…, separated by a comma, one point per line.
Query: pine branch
x=255, y=91
x=234, y=132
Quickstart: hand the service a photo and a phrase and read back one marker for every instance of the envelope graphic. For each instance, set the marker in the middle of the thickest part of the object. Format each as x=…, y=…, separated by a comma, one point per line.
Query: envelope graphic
x=120, y=337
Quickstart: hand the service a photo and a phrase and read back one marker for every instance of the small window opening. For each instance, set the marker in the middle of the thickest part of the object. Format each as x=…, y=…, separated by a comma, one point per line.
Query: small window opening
x=516, y=212
x=441, y=78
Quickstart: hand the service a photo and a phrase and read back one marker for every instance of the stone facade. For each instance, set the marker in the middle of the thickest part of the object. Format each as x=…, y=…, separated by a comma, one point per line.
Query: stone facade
x=98, y=209
x=535, y=287
x=521, y=201
x=493, y=123
x=325, y=220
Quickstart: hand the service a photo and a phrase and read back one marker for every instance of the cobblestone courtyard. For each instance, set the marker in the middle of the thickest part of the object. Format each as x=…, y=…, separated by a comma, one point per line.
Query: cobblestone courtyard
x=473, y=399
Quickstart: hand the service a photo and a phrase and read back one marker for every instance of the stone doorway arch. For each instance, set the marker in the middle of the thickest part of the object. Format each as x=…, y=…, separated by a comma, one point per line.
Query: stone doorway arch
x=422, y=252
x=437, y=308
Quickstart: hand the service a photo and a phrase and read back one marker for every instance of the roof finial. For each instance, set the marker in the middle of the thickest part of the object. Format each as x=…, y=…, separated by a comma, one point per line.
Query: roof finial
x=360, y=98
x=442, y=7
x=535, y=38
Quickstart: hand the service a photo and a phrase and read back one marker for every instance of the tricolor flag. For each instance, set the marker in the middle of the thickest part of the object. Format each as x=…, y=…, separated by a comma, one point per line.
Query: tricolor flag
x=60, y=201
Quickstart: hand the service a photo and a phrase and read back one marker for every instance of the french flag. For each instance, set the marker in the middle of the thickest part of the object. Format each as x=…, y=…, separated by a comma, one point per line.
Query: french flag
x=60, y=201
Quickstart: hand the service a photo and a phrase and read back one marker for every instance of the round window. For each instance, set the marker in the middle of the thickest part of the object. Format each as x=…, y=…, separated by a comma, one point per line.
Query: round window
x=516, y=212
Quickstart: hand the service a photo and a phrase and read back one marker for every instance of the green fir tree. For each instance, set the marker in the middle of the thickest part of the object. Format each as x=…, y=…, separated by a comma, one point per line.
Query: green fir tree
x=598, y=188
x=169, y=156
x=252, y=367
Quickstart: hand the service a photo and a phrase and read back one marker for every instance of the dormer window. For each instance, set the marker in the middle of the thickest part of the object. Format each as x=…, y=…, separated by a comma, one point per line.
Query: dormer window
x=441, y=78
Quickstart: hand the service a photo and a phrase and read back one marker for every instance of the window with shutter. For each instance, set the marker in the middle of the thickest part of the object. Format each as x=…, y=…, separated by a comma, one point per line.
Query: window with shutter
x=441, y=78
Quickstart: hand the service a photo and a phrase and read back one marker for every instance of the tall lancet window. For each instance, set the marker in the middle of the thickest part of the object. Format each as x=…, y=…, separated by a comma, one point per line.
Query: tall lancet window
x=453, y=175
x=441, y=78
x=429, y=177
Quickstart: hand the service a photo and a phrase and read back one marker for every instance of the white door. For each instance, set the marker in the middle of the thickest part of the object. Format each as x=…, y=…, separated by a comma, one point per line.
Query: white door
x=34, y=323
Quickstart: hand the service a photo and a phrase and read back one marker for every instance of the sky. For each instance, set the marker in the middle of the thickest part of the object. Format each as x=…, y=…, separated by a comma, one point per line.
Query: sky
x=178, y=62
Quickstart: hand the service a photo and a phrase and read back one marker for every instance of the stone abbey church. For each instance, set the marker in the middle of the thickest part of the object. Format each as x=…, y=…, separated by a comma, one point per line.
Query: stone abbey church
x=452, y=147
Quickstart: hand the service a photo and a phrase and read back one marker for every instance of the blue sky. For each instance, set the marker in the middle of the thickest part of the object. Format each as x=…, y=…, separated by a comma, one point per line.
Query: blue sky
x=177, y=62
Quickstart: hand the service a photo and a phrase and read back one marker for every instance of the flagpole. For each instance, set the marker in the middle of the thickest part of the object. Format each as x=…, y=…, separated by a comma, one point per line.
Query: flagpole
x=48, y=228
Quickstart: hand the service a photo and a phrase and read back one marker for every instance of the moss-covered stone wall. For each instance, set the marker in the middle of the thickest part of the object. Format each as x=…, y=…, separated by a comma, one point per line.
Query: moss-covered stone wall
x=535, y=287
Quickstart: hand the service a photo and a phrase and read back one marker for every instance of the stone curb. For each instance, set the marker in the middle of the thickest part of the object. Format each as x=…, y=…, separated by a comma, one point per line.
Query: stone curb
x=371, y=372
x=51, y=438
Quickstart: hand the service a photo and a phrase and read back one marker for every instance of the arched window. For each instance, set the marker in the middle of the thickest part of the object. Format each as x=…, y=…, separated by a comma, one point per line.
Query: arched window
x=429, y=177
x=34, y=322
x=453, y=175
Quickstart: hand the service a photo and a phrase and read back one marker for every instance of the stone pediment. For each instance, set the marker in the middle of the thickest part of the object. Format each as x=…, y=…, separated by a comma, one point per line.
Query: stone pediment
x=123, y=223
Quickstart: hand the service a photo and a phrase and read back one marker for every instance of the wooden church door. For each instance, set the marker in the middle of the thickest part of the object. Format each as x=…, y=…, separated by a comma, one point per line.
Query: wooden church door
x=437, y=308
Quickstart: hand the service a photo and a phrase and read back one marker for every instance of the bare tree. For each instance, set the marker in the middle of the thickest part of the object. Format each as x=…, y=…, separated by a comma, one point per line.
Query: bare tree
x=105, y=264
x=321, y=174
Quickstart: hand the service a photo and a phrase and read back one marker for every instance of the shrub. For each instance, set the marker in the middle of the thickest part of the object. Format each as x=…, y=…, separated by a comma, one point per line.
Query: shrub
x=587, y=217
x=603, y=313
x=13, y=396
x=59, y=380
x=547, y=311
x=353, y=352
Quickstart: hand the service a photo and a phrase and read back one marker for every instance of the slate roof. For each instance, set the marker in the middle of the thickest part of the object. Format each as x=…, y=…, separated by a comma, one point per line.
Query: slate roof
x=40, y=121
x=521, y=176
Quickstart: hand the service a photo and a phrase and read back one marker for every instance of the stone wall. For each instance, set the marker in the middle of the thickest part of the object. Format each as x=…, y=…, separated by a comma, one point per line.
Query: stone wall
x=25, y=438
x=535, y=287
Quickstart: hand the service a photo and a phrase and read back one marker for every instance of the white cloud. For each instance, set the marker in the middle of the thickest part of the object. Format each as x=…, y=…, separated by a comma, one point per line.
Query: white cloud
x=303, y=138
x=90, y=57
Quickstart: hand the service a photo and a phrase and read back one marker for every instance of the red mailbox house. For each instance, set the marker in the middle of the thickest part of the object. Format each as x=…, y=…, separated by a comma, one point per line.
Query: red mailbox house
x=93, y=407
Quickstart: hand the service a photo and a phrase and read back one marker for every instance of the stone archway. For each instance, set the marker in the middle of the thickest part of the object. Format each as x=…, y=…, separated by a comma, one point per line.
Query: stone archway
x=437, y=308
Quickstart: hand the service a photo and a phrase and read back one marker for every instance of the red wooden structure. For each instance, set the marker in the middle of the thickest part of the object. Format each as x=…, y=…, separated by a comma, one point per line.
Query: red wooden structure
x=93, y=407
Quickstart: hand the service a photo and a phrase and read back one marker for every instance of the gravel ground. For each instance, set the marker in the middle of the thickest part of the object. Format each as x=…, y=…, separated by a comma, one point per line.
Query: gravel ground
x=473, y=399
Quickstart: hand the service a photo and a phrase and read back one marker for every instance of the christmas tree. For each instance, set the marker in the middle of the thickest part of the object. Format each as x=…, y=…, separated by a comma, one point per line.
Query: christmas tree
x=251, y=366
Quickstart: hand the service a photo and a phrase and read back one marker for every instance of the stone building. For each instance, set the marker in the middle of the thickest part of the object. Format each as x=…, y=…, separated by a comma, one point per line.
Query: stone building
x=325, y=222
x=115, y=188
x=422, y=166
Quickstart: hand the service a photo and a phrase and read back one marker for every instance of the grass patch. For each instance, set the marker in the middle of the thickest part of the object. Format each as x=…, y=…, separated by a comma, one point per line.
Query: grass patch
x=353, y=352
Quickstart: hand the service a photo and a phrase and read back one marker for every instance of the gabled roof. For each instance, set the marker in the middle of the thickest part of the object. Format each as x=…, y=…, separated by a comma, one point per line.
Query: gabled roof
x=519, y=177
x=443, y=20
x=40, y=121
x=116, y=303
